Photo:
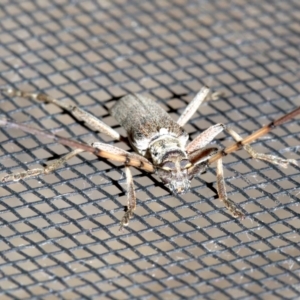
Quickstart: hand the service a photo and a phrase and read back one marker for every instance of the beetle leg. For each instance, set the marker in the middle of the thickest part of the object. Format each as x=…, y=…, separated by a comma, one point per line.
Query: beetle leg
x=53, y=165
x=282, y=162
x=131, y=196
x=221, y=188
x=201, y=96
x=79, y=113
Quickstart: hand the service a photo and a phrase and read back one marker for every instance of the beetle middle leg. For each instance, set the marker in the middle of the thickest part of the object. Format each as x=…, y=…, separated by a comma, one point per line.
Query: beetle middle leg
x=203, y=95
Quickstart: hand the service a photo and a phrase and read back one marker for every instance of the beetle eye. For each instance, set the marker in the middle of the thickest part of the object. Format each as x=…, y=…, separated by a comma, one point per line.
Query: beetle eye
x=185, y=163
x=169, y=165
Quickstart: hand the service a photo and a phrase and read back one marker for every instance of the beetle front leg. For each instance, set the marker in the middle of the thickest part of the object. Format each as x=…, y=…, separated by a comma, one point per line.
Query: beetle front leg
x=128, y=156
x=131, y=196
x=221, y=188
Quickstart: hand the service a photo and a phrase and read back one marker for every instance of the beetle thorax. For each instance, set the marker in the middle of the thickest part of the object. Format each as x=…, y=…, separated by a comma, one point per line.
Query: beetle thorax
x=160, y=149
x=169, y=155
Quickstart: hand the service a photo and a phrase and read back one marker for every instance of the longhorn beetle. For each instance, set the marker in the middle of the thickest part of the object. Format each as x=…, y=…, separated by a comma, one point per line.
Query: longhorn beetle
x=160, y=144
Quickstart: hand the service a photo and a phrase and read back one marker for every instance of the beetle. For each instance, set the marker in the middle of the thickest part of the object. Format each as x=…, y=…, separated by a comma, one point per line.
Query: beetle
x=160, y=144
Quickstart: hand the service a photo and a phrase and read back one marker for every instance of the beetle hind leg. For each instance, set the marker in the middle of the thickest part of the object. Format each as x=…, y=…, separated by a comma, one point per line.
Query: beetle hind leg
x=79, y=113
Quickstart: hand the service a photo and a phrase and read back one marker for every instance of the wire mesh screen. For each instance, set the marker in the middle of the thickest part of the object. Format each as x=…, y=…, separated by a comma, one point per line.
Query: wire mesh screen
x=59, y=233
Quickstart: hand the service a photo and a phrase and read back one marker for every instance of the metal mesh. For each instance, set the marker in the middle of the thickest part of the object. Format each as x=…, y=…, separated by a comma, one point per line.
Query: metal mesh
x=59, y=233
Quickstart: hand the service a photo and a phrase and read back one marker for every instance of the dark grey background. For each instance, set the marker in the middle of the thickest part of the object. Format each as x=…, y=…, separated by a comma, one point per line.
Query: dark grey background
x=59, y=233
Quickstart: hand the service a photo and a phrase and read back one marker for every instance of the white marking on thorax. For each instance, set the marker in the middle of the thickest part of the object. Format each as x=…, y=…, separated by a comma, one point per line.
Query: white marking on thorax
x=142, y=145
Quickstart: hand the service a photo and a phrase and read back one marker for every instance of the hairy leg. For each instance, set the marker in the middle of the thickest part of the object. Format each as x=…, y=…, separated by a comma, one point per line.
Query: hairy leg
x=55, y=164
x=221, y=188
x=204, y=138
x=202, y=95
x=267, y=157
x=131, y=196
x=76, y=111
